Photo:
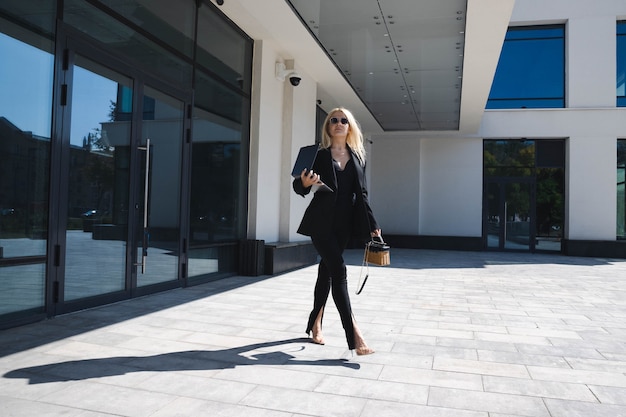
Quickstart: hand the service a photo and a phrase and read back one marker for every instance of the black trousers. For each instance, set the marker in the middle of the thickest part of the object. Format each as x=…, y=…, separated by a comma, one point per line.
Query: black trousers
x=332, y=276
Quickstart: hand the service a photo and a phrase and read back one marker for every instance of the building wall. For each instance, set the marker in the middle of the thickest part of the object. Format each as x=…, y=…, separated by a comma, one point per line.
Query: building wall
x=428, y=186
x=431, y=185
x=451, y=185
x=300, y=130
x=591, y=190
x=591, y=136
x=591, y=123
x=283, y=120
x=394, y=169
x=443, y=195
x=265, y=145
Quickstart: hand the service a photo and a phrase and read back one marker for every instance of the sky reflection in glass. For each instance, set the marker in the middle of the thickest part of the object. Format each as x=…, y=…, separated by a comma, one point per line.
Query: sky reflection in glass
x=531, y=70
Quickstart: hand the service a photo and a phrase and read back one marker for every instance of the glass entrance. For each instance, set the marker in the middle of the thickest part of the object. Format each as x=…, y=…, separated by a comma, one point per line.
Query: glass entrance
x=26, y=75
x=119, y=228
x=509, y=220
x=158, y=209
x=96, y=217
x=524, y=194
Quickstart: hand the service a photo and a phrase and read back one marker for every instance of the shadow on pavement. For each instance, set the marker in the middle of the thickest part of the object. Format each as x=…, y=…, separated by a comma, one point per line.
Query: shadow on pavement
x=439, y=259
x=191, y=360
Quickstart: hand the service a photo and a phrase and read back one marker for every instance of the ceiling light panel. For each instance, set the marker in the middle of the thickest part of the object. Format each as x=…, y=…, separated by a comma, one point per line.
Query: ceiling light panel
x=404, y=58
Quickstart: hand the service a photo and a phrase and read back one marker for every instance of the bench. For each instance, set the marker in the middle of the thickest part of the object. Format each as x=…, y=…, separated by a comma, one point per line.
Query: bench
x=286, y=256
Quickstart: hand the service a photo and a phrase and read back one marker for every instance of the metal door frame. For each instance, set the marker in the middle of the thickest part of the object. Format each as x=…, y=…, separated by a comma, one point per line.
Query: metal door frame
x=71, y=42
x=502, y=182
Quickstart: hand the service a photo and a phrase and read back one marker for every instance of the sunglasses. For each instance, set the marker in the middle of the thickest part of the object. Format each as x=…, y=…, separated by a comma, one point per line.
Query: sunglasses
x=334, y=121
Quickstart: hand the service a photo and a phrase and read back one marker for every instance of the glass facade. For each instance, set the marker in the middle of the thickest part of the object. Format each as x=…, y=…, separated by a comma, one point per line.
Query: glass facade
x=149, y=46
x=94, y=201
x=524, y=194
x=123, y=150
x=27, y=43
x=621, y=189
x=531, y=69
x=621, y=64
x=220, y=130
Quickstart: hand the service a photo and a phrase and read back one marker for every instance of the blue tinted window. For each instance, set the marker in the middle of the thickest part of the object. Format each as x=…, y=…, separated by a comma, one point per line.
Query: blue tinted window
x=621, y=64
x=531, y=70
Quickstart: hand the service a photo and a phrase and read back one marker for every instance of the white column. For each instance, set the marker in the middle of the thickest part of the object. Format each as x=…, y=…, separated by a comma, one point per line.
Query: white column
x=298, y=130
x=282, y=120
x=591, y=207
x=591, y=41
x=265, y=146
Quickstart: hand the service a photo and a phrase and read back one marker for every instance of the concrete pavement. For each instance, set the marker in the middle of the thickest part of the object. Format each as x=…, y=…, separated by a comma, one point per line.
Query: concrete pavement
x=457, y=334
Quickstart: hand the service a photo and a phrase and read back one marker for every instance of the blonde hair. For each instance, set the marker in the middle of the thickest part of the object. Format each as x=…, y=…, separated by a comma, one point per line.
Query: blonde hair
x=354, y=139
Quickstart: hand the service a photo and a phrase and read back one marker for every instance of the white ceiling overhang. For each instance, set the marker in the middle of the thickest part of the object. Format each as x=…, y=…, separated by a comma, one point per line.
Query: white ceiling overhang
x=402, y=66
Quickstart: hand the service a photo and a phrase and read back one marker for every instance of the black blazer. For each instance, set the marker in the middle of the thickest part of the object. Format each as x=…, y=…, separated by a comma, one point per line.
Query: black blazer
x=318, y=217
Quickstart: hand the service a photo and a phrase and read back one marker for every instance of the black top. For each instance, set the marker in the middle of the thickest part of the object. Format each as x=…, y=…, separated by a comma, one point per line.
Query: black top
x=346, y=189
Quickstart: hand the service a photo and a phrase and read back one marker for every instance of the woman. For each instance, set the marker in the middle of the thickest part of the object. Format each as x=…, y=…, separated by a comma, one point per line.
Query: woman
x=333, y=218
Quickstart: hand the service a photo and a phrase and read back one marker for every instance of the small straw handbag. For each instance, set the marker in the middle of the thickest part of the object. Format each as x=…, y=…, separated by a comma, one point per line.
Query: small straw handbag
x=376, y=253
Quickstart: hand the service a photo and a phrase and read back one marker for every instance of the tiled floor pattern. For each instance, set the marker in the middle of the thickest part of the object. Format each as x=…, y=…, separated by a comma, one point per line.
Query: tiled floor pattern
x=457, y=334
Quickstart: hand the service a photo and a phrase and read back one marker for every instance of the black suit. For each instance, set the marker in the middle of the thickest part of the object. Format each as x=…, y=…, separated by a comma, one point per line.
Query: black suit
x=318, y=216
x=331, y=219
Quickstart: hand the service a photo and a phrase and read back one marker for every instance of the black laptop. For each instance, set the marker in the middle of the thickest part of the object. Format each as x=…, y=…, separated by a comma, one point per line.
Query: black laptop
x=306, y=158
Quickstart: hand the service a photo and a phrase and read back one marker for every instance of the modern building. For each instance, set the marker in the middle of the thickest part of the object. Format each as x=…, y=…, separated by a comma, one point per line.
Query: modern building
x=148, y=145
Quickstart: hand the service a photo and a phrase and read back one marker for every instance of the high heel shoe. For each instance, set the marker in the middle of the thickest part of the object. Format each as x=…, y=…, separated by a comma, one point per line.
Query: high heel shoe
x=317, y=338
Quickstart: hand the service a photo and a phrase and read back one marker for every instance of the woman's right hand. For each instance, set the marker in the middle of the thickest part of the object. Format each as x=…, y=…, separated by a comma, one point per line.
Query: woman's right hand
x=309, y=178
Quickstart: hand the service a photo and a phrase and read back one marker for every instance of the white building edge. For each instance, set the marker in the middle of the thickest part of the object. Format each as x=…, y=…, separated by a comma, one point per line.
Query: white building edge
x=430, y=183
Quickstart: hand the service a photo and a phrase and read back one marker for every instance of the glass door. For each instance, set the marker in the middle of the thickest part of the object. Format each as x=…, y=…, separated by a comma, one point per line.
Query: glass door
x=119, y=184
x=97, y=163
x=158, y=209
x=509, y=220
x=493, y=219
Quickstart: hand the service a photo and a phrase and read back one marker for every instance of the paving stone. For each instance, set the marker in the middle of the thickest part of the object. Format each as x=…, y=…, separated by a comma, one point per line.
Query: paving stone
x=561, y=408
x=609, y=395
x=543, y=389
x=457, y=334
x=480, y=367
x=487, y=402
x=610, y=379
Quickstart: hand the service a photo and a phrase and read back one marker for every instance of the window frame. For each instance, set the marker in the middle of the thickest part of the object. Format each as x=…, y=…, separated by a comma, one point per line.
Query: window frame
x=512, y=35
x=620, y=64
x=620, y=221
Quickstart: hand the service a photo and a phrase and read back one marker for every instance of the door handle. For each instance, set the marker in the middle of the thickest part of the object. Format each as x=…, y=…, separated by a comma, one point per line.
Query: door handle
x=146, y=186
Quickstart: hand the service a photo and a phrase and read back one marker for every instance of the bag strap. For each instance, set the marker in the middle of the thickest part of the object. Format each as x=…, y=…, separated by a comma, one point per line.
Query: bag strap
x=378, y=239
x=366, y=265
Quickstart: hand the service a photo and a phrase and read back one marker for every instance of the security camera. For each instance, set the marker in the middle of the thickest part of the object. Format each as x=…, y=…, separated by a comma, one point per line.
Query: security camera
x=282, y=73
x=220, y=2
x=295, y=79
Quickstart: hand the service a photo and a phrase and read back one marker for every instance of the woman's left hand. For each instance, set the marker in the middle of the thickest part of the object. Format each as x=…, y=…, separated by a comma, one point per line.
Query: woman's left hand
x=377, y=233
